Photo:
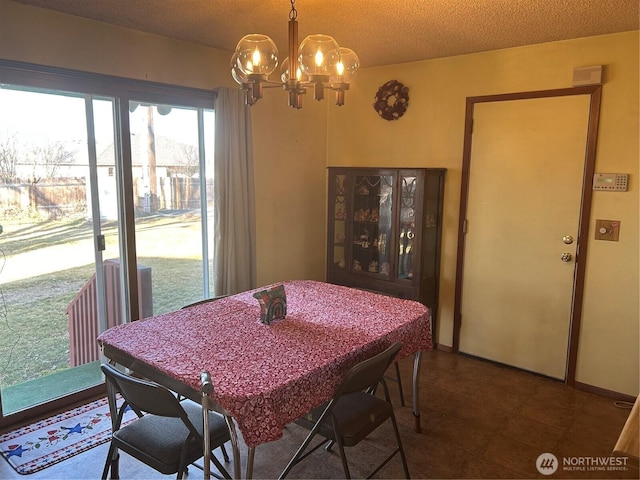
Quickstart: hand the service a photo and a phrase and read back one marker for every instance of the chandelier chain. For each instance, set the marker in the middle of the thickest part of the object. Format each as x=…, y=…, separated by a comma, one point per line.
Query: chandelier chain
x=293, y=14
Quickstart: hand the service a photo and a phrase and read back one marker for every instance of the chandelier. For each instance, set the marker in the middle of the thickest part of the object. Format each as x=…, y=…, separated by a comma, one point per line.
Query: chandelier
x=318, y=62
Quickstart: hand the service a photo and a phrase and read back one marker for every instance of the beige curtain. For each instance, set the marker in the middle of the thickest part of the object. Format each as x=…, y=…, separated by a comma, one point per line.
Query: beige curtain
x=234, y=266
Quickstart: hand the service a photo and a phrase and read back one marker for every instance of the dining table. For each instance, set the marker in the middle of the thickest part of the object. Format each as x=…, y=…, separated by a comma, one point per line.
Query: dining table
x=263, y=376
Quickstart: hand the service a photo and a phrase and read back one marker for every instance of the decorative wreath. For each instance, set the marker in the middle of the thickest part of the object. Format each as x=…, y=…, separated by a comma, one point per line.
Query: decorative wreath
x=392, y=100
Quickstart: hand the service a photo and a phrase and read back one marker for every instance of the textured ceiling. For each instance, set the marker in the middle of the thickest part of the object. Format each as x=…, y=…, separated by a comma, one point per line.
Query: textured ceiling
x=381, y=32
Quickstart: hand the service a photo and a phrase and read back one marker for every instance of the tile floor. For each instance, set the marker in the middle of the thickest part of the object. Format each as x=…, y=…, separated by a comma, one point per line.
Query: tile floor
x=479, y=420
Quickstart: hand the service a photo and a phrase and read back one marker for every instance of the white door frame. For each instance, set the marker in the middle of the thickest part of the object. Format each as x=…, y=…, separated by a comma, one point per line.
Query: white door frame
x=595, y=93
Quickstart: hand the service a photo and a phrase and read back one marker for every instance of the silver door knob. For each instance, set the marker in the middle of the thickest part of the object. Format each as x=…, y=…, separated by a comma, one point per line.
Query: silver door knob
x=568, y=239
x=566, y=257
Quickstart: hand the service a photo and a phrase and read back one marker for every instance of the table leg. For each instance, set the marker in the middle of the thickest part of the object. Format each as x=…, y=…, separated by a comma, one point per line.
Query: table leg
x=207, y=389
x=235, y=448
x=416, y=392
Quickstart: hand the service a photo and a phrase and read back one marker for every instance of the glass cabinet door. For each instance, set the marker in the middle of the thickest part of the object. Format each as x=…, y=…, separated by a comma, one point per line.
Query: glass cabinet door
x=372, y=218
x=407, y=226
x=339, y=220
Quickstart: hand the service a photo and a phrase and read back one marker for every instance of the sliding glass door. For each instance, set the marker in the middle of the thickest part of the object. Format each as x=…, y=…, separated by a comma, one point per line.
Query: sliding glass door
x=55, y=231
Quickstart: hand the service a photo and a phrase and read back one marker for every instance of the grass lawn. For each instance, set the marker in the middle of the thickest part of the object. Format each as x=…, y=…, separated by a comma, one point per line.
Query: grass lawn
x=44, y=265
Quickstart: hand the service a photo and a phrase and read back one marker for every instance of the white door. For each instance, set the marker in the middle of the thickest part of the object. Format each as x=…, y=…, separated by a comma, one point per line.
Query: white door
x=525, y=188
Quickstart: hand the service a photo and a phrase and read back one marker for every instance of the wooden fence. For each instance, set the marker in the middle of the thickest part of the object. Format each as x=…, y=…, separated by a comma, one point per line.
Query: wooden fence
x=54, y=197
x=172, y=193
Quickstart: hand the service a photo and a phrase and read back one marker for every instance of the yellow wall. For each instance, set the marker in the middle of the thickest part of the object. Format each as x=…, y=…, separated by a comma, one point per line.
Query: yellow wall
x=290, y=167
x=430, y=134
x=289, y=160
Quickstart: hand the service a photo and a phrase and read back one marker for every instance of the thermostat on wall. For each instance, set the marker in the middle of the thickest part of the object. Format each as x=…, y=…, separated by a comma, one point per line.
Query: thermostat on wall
x=613, y=182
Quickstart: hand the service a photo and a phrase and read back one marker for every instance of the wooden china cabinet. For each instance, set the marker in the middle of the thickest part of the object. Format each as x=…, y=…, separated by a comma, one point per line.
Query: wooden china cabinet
x=384, y=231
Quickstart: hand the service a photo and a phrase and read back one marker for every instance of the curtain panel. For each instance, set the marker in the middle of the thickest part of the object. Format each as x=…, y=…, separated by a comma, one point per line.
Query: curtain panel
x=234, y=262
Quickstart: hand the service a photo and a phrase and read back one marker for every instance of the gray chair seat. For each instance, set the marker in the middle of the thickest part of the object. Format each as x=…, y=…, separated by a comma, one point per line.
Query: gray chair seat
x=157, y=441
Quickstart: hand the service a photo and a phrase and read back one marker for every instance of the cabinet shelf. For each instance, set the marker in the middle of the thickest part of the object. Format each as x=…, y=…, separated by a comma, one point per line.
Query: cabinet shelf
x=359, y=245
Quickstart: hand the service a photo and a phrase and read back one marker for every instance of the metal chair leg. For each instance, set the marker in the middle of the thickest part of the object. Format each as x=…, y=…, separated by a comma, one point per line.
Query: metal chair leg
x=343, y=457
x=112, y=463
x=399, y=380
x=405, y=467
x=225, y=455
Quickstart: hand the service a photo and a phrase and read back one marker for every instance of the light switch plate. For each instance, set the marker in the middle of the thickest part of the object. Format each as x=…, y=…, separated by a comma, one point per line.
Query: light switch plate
x=607, y=230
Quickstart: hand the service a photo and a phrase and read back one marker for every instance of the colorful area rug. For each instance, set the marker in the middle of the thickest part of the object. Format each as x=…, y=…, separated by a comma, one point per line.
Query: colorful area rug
x=54, y=439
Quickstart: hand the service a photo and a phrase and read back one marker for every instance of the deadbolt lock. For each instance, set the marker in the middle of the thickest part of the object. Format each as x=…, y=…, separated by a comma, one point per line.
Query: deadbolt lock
x=568, y=239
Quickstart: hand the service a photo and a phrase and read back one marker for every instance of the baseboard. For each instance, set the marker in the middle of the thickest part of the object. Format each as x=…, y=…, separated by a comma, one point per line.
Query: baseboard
x=444, y=348
x=622, y=397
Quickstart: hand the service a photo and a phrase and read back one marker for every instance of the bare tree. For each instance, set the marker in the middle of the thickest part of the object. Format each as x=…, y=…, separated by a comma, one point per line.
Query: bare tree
x=189, y=160
x=48, y=158
x=8, y=157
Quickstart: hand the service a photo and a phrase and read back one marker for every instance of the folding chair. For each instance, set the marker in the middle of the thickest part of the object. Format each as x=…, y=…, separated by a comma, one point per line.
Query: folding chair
x=167, y=436
x=353, y=413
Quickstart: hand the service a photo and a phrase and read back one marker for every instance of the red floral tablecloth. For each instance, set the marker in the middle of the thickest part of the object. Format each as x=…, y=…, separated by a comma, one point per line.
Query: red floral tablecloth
x=266, y=376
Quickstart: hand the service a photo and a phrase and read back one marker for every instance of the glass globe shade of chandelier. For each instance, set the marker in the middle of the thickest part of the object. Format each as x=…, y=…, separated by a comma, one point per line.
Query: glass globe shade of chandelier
x=318, y=63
